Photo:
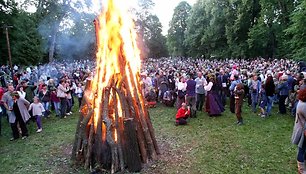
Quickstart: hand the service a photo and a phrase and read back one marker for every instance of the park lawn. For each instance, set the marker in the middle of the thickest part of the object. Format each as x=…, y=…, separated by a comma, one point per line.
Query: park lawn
x=205, y=145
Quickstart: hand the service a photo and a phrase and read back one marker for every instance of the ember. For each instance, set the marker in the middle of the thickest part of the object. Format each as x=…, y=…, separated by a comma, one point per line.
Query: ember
x=114, y=131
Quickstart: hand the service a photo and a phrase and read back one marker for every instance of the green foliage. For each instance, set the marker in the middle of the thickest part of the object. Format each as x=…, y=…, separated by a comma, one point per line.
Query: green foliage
x=297, y=32
x=149, y=28
x=207, y=145
x=178, y=26
x=244, y=28
x=25, y=41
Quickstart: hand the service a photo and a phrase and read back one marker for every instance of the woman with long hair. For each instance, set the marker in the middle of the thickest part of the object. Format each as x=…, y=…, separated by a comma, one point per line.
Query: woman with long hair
x=270, y=91
x=214, y=106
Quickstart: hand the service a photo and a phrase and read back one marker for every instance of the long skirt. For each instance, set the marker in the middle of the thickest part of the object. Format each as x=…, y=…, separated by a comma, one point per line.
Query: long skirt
x=214, y=106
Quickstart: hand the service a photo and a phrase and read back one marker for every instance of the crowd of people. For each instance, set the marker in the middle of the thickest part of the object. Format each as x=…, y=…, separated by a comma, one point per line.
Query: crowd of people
x=204, y=85
x=33, y=92
x=190, y=85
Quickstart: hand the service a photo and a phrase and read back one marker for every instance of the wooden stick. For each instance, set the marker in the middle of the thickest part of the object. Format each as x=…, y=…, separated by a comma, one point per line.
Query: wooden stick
x=89, y=151
x=121, y=161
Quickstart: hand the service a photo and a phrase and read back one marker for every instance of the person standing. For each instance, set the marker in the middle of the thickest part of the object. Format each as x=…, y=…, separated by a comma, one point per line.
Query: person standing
x=8, y=102
x=232, y=95
x=283, y=94
x=270, y=91
x=222, y=84
x=213, y=105
x=37, y=111
x=56, y=101
x=162, y=83
x=2, y=108
x=62, y=94
x=299, y=131
x=181, y=92
x=254, y=86
x=79, y=91
x=200, y=91
x=22, y=115
x=44, y=97
x=191, y=95
x=239, y=94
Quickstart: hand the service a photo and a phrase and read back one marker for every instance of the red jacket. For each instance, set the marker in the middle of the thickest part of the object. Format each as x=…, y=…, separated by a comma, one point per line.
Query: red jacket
x=181, y=113
x=1, y=93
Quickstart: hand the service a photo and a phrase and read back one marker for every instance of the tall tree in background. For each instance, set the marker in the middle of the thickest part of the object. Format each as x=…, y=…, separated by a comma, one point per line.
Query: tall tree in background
x=176, y=32
x=153, y=43
x=25, y=41
x=197, y=23
x=241, y=16
x=297, y=31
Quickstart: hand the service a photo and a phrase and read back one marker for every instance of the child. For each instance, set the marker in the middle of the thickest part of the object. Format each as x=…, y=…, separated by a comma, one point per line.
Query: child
x=182, y=114
x=37, y=110
x=263, y=102
x=79, y=92
x=239, y=94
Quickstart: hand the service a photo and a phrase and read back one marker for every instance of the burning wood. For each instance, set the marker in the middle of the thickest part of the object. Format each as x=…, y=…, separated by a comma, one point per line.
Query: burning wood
x=114, y=131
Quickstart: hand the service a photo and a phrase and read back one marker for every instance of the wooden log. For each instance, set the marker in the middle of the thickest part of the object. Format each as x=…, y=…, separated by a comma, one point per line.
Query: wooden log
x=119, y=145
x=83, y=125
x=151, y=130
x=144, y=125
x=109, y=137
x=90, y=145
x=139, y=131
x=77, y=132
x=133, y=160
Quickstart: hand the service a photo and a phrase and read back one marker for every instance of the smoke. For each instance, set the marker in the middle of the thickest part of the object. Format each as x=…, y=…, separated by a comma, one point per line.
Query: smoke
x=72, y=26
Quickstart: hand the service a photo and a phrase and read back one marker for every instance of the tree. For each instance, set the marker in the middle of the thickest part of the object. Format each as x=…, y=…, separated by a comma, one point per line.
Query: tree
x=149, y=29
x=178, y=26
x=25, y=41
x=196, y=24
x=297, y=32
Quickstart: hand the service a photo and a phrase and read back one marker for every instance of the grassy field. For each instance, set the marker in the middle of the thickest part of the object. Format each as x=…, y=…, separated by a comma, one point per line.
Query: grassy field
x=205, y=145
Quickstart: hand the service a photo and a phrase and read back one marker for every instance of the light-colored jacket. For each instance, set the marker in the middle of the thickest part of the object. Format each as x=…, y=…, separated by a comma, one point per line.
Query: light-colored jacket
x=299, y=125
x=23, y=105
x=61, y=91
x=37, y=109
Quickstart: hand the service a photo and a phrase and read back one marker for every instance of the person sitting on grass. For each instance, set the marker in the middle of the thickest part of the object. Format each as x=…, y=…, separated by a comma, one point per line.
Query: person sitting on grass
x=239, y=94
x=37, y=111
x=182, y=114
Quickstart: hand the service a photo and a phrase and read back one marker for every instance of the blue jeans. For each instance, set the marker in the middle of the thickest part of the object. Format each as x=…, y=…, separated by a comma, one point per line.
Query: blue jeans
x=269, y=104
x=57, y=106
x=46, y=105
x=301, y=153
x=254, y=97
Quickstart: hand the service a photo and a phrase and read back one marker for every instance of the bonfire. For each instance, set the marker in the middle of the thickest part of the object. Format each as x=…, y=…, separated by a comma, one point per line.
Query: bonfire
x=114, y=132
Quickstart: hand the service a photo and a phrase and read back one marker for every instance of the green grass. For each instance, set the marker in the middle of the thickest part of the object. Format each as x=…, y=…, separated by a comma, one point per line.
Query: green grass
x=205, y=145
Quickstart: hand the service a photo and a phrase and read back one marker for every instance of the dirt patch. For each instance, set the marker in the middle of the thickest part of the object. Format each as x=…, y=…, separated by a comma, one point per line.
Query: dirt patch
x=173, y=158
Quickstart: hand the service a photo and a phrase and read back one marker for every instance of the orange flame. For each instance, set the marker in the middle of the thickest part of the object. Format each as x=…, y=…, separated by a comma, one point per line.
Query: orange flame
x=117, y=57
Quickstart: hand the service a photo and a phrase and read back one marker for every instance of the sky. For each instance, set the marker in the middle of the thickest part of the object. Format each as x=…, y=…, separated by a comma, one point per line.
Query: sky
x=163, y=9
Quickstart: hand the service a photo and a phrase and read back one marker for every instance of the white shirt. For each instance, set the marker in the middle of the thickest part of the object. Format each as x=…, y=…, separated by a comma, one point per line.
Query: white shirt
x=181, y=86
x=209, y=86
x=22, y=94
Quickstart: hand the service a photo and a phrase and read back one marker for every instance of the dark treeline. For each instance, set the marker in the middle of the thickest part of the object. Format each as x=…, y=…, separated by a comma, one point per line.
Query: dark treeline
x=239, y=29
x=64, y=29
